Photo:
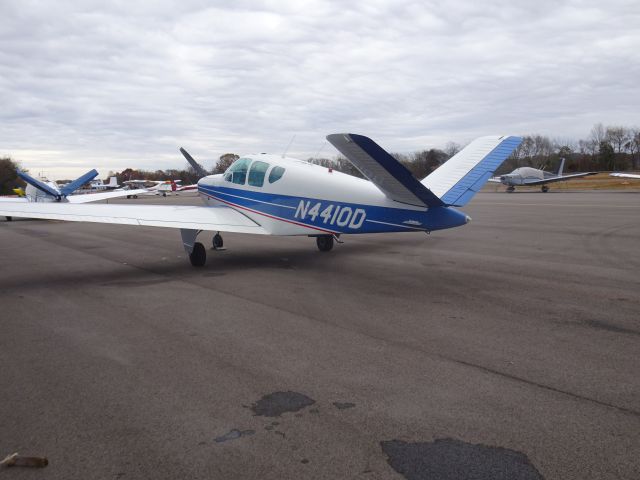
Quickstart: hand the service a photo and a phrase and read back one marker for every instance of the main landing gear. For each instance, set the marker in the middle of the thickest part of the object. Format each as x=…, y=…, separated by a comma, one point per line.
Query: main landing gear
x=9, y=218
x=196, y=251
x=325, y=242
x=198, y=256
x=511, y=189
x=544, y=189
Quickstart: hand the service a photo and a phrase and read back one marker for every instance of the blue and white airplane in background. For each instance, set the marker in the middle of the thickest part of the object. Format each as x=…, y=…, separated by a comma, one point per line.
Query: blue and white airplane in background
x=39, y=190
x=273, y=195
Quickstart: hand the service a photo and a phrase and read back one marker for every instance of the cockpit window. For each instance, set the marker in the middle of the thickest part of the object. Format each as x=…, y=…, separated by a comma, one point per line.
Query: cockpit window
x=276, y=174
x=257, y=172
x=237, y=173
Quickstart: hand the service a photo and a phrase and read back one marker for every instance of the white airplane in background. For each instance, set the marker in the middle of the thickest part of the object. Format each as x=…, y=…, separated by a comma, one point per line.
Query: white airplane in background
x=624, y=175
x=273, y=195
x=528, y=176
x=42, y=190
x=95, y=185
x=161, y=187
x=99, y=185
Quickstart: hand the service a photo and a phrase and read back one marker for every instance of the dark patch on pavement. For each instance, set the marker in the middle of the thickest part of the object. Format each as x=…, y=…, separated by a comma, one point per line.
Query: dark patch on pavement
x=233, y=435
x=343, y=405
x=602, y=325
x=138, y=283
x=276, y=403
x=447, y=458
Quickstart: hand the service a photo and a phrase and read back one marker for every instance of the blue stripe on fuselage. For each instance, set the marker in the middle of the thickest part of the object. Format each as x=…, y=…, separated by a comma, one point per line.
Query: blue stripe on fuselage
x=339, y=217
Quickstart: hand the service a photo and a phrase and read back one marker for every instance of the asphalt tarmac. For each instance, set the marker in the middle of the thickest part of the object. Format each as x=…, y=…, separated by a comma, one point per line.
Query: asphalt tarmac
x=507, y=348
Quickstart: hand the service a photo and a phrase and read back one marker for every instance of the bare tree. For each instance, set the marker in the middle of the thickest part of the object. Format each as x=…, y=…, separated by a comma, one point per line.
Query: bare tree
x=618, y=137
x=451, y=148
x=224, y=162
x=633, y=147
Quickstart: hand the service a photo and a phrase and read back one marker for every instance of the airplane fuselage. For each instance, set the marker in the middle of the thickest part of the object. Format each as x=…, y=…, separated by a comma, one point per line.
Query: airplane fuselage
x=523, y=176
x=308, y=199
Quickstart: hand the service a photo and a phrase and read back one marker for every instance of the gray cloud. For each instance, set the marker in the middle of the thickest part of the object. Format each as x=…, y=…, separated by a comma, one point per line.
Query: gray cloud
x=114, y=85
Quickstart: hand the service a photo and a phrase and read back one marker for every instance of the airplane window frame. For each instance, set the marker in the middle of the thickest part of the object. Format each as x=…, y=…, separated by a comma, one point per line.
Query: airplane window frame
x=279, y=175
x=260, y=175
x=237, y=174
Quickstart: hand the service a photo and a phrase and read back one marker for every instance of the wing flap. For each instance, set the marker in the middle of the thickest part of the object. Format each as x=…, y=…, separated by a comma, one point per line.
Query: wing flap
x=219, y=218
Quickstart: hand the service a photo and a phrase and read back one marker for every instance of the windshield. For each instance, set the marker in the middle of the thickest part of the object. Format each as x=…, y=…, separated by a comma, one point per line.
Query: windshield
x=237, y=173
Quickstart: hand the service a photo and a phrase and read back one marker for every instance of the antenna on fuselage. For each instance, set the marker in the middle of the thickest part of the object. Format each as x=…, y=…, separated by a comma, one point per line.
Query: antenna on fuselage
x=320, y=149
x=289, y=145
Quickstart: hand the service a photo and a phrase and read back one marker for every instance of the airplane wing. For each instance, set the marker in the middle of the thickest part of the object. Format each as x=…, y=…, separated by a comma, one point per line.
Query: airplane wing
x=384, y=171
x=95, y=197
x=625, y=175
x=458, y=179
x=219, y=218
x=561, y=178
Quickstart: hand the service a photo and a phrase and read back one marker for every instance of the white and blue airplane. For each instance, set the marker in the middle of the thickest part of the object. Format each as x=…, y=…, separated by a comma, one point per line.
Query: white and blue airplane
x=39, y=190
x=273, y=195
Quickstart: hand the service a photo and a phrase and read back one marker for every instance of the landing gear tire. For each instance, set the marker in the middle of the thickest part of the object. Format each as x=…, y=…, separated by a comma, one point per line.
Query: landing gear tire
x=164, y=194
x=511, y=189
x=544, y=189
x=135, y=196
x=128, y=196
x=217, y=242
x=9, y=218
x=198, y=256
x=325, y=243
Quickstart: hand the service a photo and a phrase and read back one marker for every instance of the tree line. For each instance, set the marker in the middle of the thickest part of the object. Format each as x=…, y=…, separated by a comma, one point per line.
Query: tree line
x=610, y=148
x=606, y=148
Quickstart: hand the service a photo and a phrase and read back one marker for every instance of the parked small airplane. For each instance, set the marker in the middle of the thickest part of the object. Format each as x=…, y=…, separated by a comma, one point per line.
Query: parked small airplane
x=42, y=190
x=528, y=176
x=99, y=185
x=273, y=195
x=161, y=187
x=625, y=175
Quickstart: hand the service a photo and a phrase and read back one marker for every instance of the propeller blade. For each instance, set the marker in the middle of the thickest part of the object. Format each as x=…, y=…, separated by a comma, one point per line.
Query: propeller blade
x=39, y=185
x=69, y=188
x=196, y=166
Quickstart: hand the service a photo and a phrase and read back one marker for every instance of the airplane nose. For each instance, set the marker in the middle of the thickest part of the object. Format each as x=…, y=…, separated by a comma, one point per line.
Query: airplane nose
x=467, y=219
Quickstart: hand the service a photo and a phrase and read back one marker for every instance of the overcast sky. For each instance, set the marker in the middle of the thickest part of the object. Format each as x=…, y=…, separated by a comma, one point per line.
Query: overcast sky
x=122, y=83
